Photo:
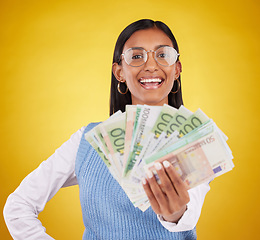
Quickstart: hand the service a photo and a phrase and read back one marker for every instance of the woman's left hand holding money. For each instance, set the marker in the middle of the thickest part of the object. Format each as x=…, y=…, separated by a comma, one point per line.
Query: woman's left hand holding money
x=169, y=198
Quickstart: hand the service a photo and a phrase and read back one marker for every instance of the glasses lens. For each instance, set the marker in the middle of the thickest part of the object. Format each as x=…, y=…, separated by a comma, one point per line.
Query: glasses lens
x=166, y=56
x=135, y=57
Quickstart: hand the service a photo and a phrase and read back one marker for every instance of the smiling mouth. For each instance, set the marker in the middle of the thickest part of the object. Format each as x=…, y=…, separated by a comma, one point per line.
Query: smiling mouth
x=151, y=83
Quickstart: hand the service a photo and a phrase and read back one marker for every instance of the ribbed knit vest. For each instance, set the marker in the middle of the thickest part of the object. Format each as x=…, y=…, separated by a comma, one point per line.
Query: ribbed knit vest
x=107, y=211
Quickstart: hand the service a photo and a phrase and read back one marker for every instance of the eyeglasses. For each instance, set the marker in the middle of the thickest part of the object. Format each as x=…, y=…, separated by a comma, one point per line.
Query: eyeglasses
x=137, y=56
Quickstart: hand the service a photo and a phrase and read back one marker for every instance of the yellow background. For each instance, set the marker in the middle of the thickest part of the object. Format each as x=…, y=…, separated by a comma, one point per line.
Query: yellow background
x=55, y=70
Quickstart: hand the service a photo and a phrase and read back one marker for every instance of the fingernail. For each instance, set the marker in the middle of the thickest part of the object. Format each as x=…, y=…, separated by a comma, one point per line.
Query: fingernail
x=149, y=174
x=144, y=181
x=158, y=166
x=166, y=164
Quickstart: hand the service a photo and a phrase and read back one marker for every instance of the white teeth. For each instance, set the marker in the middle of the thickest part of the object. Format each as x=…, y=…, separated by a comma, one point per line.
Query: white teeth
x=151, y=80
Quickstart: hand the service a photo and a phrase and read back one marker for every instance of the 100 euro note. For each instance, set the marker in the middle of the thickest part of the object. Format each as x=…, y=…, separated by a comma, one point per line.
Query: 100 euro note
x=130, y=121
x=113, y=133
x=96, y=140
x=166, y=114
x=146, y=120
x=175, y=122
x=192, y=122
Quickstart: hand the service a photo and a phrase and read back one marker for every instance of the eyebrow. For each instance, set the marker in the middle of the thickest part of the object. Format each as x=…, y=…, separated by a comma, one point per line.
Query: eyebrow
x=156, y=47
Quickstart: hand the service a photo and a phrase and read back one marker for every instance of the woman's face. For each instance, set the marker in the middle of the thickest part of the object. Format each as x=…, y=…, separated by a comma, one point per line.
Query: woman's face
x=152, y=93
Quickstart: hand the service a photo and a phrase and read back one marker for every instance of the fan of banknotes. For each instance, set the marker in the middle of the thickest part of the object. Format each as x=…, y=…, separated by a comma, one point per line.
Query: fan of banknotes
x=130, y=143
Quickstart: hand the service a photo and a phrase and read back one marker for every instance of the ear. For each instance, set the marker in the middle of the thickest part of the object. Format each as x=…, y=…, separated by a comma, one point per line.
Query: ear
x=118, y=72
x=178, y=69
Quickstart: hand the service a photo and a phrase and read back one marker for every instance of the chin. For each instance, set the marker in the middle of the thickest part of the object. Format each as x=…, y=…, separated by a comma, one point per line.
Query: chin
x=155, y=102
x=150, y=98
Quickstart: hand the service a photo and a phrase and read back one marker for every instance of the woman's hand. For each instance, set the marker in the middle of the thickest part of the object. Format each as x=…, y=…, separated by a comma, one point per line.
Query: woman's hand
x=169, y=198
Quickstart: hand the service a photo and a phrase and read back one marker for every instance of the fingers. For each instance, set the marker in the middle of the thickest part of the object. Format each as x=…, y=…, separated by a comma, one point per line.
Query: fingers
x=177, y=182
x=158, y=194
x=166, y=184
x=154, y=204
x=168, y=196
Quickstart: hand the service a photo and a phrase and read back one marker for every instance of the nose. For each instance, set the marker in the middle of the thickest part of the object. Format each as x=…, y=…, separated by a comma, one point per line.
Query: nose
x=150, y=64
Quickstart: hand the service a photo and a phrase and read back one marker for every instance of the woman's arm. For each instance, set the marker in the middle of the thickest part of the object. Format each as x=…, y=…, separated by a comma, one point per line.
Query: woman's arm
x=28, y=200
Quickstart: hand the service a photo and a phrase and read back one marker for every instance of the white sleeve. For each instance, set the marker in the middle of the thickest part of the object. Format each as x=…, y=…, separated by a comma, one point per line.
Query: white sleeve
x=191, y=216
x=28, y=200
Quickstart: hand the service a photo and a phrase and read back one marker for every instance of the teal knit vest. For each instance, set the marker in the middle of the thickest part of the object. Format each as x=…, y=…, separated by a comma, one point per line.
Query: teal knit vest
x=107, y=211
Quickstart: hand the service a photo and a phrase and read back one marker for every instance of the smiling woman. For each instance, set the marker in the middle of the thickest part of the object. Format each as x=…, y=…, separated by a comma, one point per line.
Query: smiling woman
x=148, y=36
x=150, y=82
x=146, y=59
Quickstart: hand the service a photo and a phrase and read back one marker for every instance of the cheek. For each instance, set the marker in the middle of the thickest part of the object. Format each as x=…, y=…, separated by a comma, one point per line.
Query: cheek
x=131, y=76
x=132, y=85
x=172, y=74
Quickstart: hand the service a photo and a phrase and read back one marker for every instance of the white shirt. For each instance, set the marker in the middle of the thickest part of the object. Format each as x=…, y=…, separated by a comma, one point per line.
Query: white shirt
x=28, y=200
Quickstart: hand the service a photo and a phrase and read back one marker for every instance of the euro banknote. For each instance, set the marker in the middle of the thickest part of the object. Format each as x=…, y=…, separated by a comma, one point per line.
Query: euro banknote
x=130, y=143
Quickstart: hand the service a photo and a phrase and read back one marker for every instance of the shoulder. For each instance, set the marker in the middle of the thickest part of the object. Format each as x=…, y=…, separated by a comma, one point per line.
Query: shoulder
x=91, y=125
x=78, y=134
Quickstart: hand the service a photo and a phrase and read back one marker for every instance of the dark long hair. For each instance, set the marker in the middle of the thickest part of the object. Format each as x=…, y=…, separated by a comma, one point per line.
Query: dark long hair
x=119, y=101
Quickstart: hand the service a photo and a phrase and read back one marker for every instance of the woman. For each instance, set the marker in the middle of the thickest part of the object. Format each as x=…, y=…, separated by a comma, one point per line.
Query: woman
x=146, y=70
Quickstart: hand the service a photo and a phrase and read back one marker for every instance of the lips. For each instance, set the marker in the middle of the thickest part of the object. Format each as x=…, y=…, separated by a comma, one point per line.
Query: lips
x=151, y=83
